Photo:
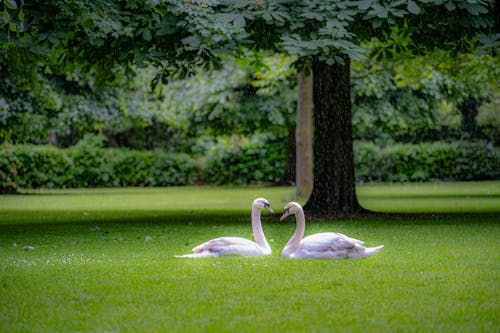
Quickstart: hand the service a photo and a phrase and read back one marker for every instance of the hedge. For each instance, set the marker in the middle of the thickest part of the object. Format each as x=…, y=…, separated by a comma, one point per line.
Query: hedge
x=241, y=161
x=248, y=162
x=457, y=161
x=29, y=166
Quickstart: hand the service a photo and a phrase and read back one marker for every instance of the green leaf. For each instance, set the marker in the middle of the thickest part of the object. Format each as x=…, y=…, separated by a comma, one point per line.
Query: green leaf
x=227, y=17
x=239, y=3
x=167, y=26
x=379, y=11
x=413, y=7
x=364, y=4
x=240, y=21
x=10, y=4
x=330, y=61
x=267, y=17
x=146, y=34
x=450, y=6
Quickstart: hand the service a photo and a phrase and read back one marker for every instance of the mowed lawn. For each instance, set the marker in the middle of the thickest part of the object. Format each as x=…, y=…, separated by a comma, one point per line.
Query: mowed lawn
x=102, y=260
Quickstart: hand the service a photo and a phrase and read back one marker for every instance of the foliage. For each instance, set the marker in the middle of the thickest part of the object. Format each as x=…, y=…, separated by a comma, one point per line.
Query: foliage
x=232, y=160
x=488, y=118
x=101, y=34
x=27, y=102
x=408, y=100
x=88, y=165
x=77, y=108
x=9, y=165
x=241, y=98
x=459, y=160
x=256, y=160
x=180, y=36
x=59, y=70
x=387, y=108
x=413, y=99
x=177, y=34
x=44, y=167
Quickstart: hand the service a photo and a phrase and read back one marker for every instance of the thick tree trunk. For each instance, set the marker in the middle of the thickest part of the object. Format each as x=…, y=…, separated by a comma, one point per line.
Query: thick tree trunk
x=334, y=192
x=303, y=136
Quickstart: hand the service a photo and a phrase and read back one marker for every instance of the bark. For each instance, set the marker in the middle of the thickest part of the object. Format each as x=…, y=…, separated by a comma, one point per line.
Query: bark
x=469, y=110
x=53, y=139
x=334, y=192
x=289, y=175
x=303, y=136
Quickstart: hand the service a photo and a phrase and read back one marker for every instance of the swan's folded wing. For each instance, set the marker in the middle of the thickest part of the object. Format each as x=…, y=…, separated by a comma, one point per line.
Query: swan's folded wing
x=222, y=244
x=327, y=242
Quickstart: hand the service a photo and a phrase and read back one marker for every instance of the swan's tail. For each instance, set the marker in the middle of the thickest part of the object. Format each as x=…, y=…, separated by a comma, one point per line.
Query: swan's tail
x=369, y=251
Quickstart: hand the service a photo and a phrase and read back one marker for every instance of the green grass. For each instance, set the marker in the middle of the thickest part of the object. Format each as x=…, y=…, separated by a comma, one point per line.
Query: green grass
x=458, y=197
x=103, y=261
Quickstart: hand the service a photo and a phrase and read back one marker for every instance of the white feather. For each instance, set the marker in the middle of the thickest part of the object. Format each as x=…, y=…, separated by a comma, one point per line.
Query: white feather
x=237, y=246
x=325, y=245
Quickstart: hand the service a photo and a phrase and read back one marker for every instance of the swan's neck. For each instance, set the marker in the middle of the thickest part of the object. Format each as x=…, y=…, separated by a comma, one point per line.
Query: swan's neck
x=258, y=233
x=294, y=242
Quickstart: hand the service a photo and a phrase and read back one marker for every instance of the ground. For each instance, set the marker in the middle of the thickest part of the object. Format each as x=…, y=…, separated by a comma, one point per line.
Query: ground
x=103, y=260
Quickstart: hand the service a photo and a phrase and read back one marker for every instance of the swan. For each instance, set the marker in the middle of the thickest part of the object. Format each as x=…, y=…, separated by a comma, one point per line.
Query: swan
x=237, y=246
x=324, y=245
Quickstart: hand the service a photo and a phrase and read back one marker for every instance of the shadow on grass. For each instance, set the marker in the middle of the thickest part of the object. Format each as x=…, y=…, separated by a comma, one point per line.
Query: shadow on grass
x=10, y=220
x=434, y=196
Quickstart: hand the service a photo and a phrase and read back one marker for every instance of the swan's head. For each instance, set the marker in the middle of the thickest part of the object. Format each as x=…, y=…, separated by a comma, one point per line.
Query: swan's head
x=291, y=208
x=262, y=203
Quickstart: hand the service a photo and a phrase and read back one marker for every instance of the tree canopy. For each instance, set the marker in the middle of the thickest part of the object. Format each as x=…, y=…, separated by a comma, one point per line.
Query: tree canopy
x=179, y=35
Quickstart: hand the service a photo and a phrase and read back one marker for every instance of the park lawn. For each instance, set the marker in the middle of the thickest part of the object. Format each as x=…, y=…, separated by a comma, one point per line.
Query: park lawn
x=102, y=260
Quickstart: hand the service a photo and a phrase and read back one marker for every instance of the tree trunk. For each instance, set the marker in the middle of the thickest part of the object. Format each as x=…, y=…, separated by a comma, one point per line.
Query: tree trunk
x=334, y=192
x=53, y=138
x=289, y=175
x=469, y=110
x=303, y=136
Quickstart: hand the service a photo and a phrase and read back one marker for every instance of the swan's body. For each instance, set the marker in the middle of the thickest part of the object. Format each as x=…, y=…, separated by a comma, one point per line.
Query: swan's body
x=237, y=246
x=324, y=245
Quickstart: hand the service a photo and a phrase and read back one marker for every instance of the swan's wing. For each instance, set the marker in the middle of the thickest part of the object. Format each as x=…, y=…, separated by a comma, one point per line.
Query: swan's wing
x=227, y=246
x=329, y=242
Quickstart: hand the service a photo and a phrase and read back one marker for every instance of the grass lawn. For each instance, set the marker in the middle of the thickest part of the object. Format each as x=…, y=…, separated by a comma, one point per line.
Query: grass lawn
x=102, y=260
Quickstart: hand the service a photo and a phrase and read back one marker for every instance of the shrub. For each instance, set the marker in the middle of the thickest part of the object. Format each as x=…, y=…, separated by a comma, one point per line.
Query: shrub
x=8, y=169
x=240, y=160
x=236, y=161
x=173, y=169
x=43, y=166
x=92, y=164
x=30, y=166
x=426, y=161
x=488, y=118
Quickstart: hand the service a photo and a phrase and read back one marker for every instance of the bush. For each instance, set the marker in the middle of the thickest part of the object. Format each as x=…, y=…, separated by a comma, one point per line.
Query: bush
x=43, y=166
x=239, y=160
x=92, y=164
x=426, y=161
x=173, y=169
x=8, y=169
x=236, y=161
x=30, y=166
x=488, y=118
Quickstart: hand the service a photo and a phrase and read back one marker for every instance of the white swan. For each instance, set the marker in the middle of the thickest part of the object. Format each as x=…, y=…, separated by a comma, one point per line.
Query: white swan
x=237, y=246
x=324, y=245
